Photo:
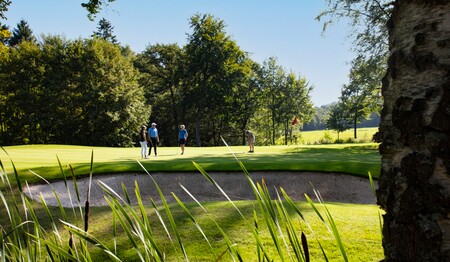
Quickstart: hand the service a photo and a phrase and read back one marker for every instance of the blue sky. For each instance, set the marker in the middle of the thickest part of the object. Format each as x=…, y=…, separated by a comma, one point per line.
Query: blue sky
x=285, y=29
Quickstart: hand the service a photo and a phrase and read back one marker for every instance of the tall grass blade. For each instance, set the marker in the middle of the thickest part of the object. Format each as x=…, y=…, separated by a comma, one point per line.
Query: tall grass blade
x=114, y=226
x=270, y=217
x=189, y=193
x=16, y=176
x=161, y=220
x=333, y=226
x=133, y=224
x=144, y=216
x=117, y=210
x=233, y=252
x=305, y=247
x=91, y=171
x=69, y=194
x=210, y=179
x=372, y=185
x=107, y=189
x=6, y=206
x=3, y=174
x=88, y=198
x=127, y=196
x=286, y=220
x=317, y=212
x=194, y=221
x=77, y=190
x=171, y=219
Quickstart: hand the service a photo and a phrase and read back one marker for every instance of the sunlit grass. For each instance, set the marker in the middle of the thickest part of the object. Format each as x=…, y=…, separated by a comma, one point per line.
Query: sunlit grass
x=243, y=229
x=330, y=136
x=357, y=225
x=357, y=159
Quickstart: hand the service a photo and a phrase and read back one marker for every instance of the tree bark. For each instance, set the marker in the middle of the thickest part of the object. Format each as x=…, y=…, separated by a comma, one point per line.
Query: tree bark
x=414, y=184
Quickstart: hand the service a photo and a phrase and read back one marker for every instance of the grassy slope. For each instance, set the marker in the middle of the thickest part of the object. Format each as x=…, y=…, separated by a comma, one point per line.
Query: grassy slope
x=358, y=159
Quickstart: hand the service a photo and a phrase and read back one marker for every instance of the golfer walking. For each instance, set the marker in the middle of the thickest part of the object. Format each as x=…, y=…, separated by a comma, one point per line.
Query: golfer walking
x=250, y=140
x=154, y=139
x=182, y=137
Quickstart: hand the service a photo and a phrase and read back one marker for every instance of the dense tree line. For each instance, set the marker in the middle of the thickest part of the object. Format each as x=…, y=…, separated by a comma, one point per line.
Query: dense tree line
x=96, y=92
x=70, y=92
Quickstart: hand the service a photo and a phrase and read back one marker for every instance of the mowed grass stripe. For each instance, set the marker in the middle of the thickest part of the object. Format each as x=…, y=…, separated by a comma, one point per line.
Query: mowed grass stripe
x=357, y=159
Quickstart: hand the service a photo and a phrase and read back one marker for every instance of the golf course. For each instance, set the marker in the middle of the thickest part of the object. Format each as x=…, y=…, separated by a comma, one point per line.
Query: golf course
x=204, y=230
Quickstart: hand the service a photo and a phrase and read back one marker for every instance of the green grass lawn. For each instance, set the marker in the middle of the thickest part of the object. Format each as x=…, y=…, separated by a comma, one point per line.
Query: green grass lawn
x=358, y=224
x=357, y=159
x=330, y=136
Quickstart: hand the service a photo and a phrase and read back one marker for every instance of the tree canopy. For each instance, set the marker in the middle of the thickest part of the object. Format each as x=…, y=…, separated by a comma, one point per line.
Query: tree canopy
x=367, y=20
x=94, y=92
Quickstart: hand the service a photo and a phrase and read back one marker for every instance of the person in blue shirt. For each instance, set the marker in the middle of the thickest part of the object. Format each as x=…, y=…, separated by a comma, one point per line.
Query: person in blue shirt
x=182, y=137
x=154, y=139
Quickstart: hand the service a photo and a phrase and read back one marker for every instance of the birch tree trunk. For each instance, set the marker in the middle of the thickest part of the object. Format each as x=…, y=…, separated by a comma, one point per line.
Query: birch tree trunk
x=414, y=185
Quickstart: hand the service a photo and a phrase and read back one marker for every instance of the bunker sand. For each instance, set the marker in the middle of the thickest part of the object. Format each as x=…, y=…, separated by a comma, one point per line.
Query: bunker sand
x=333, y=187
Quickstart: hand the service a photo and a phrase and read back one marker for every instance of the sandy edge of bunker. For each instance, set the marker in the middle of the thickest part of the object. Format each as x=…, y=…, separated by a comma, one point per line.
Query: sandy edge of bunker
x=333, y=187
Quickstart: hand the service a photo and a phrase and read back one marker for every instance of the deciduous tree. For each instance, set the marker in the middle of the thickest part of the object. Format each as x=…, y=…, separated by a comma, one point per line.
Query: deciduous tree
x=162, y=70
x=211, y=59
x=336, y=119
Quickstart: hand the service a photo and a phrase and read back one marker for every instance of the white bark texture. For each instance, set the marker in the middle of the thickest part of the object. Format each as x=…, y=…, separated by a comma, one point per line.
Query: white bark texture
x=414, y=185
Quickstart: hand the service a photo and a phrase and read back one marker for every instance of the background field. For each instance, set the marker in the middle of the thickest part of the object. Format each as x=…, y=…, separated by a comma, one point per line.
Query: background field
x=364, y=135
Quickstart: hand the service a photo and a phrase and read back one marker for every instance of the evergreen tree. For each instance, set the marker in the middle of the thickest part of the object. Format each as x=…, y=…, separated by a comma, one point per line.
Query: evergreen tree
x=105, y=31
x=21, y=33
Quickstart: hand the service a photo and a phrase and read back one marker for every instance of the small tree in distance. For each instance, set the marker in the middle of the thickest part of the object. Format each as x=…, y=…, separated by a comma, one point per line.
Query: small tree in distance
x=336, y=119
x=105, y=31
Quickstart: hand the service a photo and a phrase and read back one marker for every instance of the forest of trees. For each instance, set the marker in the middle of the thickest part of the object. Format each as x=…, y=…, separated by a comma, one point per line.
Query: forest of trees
x=97, y=92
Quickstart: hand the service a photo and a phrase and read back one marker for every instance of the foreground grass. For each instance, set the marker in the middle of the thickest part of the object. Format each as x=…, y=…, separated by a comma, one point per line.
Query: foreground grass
x=357, y=225
x=357, y=159
x=229, y=232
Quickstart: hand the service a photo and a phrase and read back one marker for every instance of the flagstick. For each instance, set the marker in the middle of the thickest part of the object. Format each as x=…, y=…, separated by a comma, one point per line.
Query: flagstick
x=294, y=122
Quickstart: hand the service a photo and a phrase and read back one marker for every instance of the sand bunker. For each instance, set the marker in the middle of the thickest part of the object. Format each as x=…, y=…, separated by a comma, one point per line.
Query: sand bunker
x=332, y=187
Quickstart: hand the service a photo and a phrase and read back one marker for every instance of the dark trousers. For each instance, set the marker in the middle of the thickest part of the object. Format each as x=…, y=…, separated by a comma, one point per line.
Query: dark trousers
x=152, y=144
